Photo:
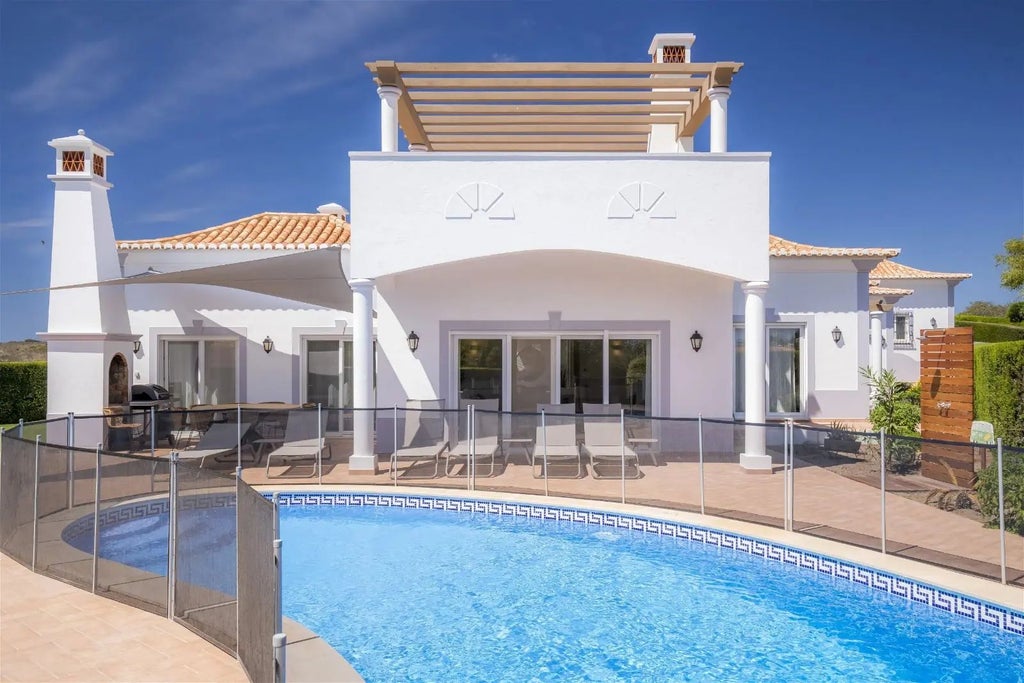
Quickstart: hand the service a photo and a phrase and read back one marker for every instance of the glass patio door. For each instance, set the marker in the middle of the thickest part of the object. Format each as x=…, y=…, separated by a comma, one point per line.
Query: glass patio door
x=480, y=370
x=200, y=372
x=582, y=372
x=328, y=369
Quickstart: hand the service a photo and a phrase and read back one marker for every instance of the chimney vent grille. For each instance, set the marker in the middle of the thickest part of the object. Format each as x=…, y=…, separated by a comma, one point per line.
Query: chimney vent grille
x=73, y=161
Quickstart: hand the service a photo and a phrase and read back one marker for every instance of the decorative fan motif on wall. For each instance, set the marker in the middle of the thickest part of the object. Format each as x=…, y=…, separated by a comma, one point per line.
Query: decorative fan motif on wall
x=640, y=199
x=479, y=198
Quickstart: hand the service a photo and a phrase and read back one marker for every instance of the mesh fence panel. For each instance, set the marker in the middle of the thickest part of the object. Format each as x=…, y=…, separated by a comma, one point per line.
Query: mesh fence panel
x=17, y=476
x=205, y=522
x=668, y=458
x=940, y=521
x=257, y=584
x=753, y=496
x=837, y=486
x=133, y=520
x=424, y=429
x=504, y=462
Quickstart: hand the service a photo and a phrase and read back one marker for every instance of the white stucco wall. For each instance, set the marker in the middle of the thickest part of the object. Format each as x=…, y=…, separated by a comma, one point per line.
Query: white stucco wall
x=712, y=215
x=821, y=294
x=558, y=291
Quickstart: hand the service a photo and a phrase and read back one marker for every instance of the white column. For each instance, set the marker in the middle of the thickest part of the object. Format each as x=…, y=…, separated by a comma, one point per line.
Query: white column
x=719, y=118
x=363, y=458
x=875, y=348
x=389, y=95
x=754, y=456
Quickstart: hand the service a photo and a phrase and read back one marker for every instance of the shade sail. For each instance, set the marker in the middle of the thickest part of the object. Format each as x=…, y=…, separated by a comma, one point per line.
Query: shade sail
x=312, y=277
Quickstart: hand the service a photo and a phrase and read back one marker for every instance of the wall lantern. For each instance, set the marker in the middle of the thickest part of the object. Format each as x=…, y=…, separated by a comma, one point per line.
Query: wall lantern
x=837, y=334
x=414, y=341
x=268, y=344
x=137, y=346
x=696, y=341
x=934, y=324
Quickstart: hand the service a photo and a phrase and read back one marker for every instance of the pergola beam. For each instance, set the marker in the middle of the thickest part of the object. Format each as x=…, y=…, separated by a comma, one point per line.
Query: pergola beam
x=539, y=147
x=538, y=128
x=632, y=138
x=553, y=96
x=624, y=68
x=671, y=108
x=567, y=119
x=553, y=83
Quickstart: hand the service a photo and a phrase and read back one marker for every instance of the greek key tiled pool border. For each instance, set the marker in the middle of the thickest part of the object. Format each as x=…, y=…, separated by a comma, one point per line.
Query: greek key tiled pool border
x=948, y=601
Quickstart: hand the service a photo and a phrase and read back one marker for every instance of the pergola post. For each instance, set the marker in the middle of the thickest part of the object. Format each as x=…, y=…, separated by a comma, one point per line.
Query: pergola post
x=719, y=97
x=363, y=458
x=389, y=95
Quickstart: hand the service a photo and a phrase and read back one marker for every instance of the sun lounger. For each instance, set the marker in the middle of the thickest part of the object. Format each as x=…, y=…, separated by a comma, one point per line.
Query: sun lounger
x=425, y=436
x=485, y=443
x=556, y=442
x=220, y=440
x=606, y=445
x=303, y=440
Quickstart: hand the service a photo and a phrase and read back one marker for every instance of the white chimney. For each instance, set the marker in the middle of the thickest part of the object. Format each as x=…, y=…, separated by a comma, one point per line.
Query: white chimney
x=669, y=48
x=333, y=209
x=87, y=327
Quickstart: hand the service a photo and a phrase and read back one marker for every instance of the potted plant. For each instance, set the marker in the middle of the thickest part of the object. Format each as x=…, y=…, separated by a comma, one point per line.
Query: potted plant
x=840, y=439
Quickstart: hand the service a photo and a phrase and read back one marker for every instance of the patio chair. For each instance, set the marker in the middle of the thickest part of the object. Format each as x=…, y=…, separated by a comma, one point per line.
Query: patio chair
x=121, y=432
x=220, y=440
x=603, y=441
x=556, y=441
x=488, y=425
x=301, y=441
x=425, y=436
x=602, y=408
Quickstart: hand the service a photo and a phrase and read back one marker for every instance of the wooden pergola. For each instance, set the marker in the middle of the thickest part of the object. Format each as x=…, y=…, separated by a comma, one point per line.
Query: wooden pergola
x=548, y=106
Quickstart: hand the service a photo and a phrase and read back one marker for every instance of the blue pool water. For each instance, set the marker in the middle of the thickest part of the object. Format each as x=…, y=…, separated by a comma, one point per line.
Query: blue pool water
x=436, y=596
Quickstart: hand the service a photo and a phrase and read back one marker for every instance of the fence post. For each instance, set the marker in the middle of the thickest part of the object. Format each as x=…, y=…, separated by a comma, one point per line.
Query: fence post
x=882, y=465
x=471, y=441
x=785, y=474
x=319, y=444
x=172, y=533
x=35, y=507
x=70, y=441
x=544, y=434
x=238, y=429
x=622, y=441
x=278, y=603
x=96, y=521
x=21, y=427
x=152, y=431
x=394, y=445
x=1002, y=514
x=280, y=645
x=700, y=458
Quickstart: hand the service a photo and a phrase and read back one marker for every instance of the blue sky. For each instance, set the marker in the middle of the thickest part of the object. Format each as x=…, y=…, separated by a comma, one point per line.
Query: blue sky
x=891, y=124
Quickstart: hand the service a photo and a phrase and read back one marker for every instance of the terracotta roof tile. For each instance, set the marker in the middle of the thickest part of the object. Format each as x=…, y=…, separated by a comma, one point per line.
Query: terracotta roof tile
x=263, y=231
x=890, y=270
x=876, y=289
x=780, y=247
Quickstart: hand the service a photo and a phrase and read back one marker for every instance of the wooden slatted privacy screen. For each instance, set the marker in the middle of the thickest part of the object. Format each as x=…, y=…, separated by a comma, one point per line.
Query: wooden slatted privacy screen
x=947, y=403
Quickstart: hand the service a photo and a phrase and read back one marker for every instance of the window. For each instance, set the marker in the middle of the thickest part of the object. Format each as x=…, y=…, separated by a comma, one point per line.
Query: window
x=525, y=371
x=903, y=330
x=785, y=371
x=327, y=373
x=200, y=371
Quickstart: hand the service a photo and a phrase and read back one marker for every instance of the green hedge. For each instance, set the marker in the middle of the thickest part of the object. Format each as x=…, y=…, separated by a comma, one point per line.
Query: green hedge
x=964, y=318
x=999, y=389
x=993, y=333
x=22, y=391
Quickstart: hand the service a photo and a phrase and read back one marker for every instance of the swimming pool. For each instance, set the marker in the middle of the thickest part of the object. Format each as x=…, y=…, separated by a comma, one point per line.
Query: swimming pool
x=430, y=594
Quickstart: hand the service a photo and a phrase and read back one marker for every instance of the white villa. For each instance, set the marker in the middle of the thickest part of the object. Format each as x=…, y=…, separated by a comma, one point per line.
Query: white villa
x=550, y=236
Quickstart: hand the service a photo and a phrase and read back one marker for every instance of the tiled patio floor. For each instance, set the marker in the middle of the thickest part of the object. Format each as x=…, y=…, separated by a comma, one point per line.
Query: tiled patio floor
x=50, y=631
x=825, y=503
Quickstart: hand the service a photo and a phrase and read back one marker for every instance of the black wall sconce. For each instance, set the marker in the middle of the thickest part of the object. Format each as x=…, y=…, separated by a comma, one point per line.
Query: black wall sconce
x=696, y=341
x=837, y=334
x=268, y=344
x=934, y=324
x=414, y=341
x=137, y=346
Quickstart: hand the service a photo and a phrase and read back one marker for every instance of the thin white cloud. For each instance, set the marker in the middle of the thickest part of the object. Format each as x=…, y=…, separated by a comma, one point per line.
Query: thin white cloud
x=198, y=169
x=83, y=76
x=8, y=227
x=168, y=216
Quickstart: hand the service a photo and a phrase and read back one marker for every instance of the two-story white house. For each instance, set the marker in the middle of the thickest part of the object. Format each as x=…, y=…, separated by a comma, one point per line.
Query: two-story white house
x=550, y=236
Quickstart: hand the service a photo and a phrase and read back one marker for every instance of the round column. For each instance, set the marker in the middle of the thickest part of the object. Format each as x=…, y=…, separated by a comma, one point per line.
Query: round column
x=719, y=118
x=875, y=361
x=389, y=95
x=754, y=456
x=363, y=458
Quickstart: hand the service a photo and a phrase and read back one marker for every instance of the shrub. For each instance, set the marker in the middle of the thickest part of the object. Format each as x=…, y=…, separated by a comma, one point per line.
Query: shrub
x=896, y=408
x=993, y=333
x=1013, y=492
x=22, y=391
x=985, y=308
x=999, y=389
x=1015, y=313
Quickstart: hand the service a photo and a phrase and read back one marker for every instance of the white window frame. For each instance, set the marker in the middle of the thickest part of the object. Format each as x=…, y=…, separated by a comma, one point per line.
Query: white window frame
x=908, y=341
x=341, y=339
x=200, y=379
x=804, y=365
x=556, y=359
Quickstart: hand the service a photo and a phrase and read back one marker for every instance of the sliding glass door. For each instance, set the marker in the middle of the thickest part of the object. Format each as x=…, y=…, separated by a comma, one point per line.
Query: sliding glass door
x=582, y=372
x=200, y=371
x=531, y=370
x=480, y=372
x=327, y=366
x=629, y=375
x=785, y=371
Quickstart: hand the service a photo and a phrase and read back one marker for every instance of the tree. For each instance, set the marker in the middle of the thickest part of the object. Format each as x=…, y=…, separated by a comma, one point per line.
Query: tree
x=985, y=308
x=1013, y=265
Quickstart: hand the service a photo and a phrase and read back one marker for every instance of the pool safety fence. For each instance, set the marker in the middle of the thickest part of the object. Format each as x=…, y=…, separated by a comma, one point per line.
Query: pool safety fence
x=203, y=549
